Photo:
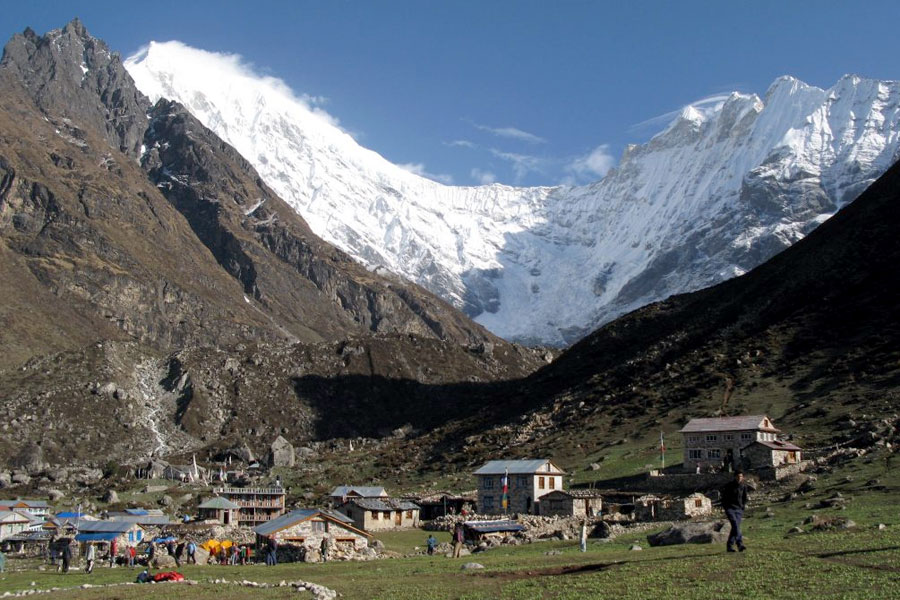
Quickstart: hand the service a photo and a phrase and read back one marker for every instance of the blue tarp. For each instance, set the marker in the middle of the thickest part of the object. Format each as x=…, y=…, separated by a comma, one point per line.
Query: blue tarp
x=164, y=540
x=103, y=536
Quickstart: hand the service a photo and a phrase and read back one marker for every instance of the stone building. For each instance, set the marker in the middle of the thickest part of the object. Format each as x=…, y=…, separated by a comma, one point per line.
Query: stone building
x=219, y=509
x=300, y=533
x=12, y=523
x=257, y=504
x=717, y=442
x=38, y=508
x=103, y=532
x=527, y=482
x=574, y=503
x=668, y=508
x=377, y=514
x=344, y=493
x=771, y=454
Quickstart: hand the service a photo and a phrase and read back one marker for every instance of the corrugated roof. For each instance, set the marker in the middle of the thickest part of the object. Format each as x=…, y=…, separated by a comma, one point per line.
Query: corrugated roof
x=24, y=503
x=777, y=445
x=104, y=526
x=359, y=490
x=742, y=423
x=516, y=467
x=97, y=536
x=219, y=503
x=5, y=514
x=71, y=515
x=294, y=517
x=494, y=526
x=384, y=504
x=154, y=520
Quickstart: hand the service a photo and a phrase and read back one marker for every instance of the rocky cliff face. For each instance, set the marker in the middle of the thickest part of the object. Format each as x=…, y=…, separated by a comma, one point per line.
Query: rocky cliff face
x=190, y=249
x=720, y=191
x=140, y=256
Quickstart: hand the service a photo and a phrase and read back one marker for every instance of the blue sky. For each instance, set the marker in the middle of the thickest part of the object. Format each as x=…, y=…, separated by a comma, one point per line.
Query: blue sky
x=523, y=93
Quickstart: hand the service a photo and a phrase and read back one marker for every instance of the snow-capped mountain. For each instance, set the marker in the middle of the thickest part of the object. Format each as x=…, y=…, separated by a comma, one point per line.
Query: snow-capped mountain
x=719, y=191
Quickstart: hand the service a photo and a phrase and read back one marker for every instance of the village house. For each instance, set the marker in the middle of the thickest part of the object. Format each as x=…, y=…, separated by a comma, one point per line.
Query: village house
x=667, y=508
x=299, y=535
x=574, y=503
x=257, y=504
x=38, y=508
x=773, y=453
x=125, y=533
x=376, y=514
x=152, y=517
x=12, y=523
x=477, y=531
x=219, y=509
x=344, y=493
x=439, y=504
x=719, y=442
x=527, y=482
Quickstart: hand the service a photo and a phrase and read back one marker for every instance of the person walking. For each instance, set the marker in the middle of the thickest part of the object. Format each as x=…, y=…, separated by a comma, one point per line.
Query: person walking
x=89, y=556
x=113, y=550
x=584, y=534
x=458, y=538
x=131, y=554
x=431, y=542
x=66, y=557
x=271, y=551
x=179, y=553
x=734, y=501
x=324, y=547
x=192, y=553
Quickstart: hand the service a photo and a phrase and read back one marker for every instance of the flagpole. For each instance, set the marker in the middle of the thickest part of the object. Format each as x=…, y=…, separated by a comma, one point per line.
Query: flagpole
x=662, y=449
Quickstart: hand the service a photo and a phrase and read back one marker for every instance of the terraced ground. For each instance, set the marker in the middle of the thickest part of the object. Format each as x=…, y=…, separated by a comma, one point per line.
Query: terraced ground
x=860, y=562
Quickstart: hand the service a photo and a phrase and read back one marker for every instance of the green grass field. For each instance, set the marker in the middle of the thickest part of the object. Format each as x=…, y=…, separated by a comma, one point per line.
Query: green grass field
x=861, y=562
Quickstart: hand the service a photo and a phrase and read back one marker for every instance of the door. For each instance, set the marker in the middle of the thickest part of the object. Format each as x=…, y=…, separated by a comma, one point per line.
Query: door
x=398, y=518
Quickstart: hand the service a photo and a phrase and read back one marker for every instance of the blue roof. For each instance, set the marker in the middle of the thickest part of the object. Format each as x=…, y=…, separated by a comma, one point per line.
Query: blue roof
x=70, y=515
x=138, y=512
x=97, y=537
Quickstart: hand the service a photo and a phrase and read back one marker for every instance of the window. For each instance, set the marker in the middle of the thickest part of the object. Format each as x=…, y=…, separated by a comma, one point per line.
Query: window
x=488, y=502
x=746, y=437
x=713, y=453
x=695, y=453
x=540, y=483
x=130, y=536
x=711, y=437
x=409, y=514
x=552, y=483
x=693, y=439
x=488, y=483
x=318, y=526
x=698, y=503
x=729, y=437
x=140, y=535
x=522, y=481
x=375, y=515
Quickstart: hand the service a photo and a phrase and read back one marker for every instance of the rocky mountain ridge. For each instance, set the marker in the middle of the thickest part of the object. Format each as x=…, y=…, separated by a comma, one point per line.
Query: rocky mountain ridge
x=721, y=190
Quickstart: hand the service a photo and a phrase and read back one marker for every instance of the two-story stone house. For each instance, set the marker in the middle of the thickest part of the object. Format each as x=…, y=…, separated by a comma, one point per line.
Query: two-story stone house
x=721, y=441
x=528, y=480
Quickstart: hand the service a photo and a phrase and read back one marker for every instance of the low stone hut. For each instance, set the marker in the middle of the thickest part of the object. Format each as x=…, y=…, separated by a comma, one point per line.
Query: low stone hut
x=300, y=533
x=377, y=514
x=774, y=453
x=573, y=503
x=667, y=508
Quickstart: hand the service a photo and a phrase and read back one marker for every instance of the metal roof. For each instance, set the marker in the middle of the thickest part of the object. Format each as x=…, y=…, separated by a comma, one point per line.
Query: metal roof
x=219, y=503
x=5, y=514
x=359, y=490
x=494, y=526
x=384, y=504
x=742, y=423
x=154, y=520
x=97, y=536
x=23, y=503
x=517, y=467
x=104, y=526
x=294, y=517
x=71, y=515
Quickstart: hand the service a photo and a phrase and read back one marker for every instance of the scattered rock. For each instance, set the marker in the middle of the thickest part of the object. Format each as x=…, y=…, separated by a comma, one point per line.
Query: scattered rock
x=795, y=530
x=472, y=565
x=710, y=532
x=882, y=526
x=635, y=547
x=165, y=500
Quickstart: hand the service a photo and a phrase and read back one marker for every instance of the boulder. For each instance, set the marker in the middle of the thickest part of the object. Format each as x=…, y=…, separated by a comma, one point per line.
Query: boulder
x=281, y=453
x=5, y=479
x=164, y=561
x=110, y=497
x=635, y=547
x=306, y=452
x=55, y=495
x=20, y=478
x=709, y=532
x=165, y=500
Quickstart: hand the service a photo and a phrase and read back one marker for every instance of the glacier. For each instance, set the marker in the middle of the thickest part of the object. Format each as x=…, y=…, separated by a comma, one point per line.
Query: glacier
x=720, y=190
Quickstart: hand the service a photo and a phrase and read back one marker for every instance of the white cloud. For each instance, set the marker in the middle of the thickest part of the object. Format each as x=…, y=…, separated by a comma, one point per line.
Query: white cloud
x=513, y=133
x=594, y=164
x=419, y=169
x=483, y=177
x=461, y=144
x=712, y=102
x=522, y=164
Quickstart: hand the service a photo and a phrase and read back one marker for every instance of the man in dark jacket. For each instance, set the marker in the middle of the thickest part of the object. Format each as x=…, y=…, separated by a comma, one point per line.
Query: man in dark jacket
x=734, y=501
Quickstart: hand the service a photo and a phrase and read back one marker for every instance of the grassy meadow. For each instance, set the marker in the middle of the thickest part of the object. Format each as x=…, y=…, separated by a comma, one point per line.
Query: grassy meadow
x=860, y=562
